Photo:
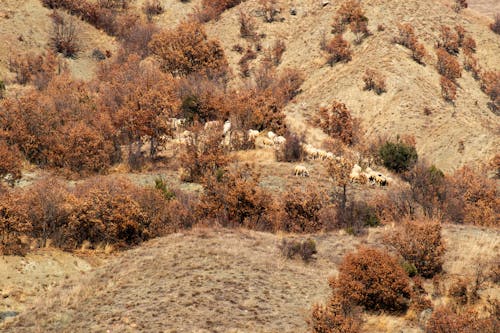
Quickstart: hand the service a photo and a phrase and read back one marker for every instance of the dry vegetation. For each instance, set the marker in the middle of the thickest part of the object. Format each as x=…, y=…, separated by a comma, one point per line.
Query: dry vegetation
x=212, y=144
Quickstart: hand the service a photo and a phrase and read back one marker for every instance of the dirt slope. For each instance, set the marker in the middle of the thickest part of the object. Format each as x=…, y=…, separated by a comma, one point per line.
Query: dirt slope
x=222, y=281
x=411, y=87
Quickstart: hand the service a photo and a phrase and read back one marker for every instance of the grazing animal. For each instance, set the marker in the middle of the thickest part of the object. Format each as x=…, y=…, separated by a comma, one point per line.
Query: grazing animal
x=271, y=135
x=355, y=173
x=226, y=128
x=252, y=134
x=301, y=170
x=279, y=140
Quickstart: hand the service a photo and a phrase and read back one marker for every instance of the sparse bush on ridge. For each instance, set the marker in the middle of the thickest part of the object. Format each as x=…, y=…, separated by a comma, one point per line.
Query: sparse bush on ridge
x=374, y=81
x=306, y=248
x=64, y=36
x=338, y=50
x=448, y=89
x=447, y=65
x=337, y=122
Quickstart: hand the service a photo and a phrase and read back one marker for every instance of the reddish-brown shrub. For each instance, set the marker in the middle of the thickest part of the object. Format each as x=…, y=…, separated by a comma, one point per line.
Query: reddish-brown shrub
x=301, y=211
x=187, y=49
x=10, y=163
x=450, y=40
x=338, y=50
x=360, y=29
x=203, y=155
x=351, y=13
x=445, y=320
x=337, y=122
x=460, y=30
x=406, y=35
x=448, y=65
x=13, y=224
x=276, y=51
x=136, y=39
x=469, y=45
x=418, y=52
x=374, y=81
x=234, y=198
x=419, y=242
x=244, y=62
x=373, y=279
x=472, y=198
x=335, y=317
x=471, y=65
x=448, y=89
x=490, y=84
x=212, y=9
x=495, y=26
x=38, y=69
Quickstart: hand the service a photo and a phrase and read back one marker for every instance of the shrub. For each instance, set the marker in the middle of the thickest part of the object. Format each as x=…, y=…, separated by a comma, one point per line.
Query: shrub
x=418, y=52
x=398, y=156
x=247, y=26
x=245, y=59
x=337, y=122
x=338, y=50
x=490, y=85
x=447, y=65
x=13, y=224
x=444, y=320
x=373, y=279
x=212, y=9
x=428, y=188
x=234, y=198
x=64, y=36
x=495, y=26
x=136, y=40
x=306, y=249
x=291, y=150
x=187, y=49
x=419, y=243
x=351, y=13
x=450, y=40
x=269, y=9
x=37, y=69
x=459, y=5
x=471, y=65
x=301, y=211
x=152, y=8
x=472, y=198
x=448, y=89
x=276, y=51
x=406, y=35
x=469, y=45
x=374, y=81
x=335, y=317
x=10, y=163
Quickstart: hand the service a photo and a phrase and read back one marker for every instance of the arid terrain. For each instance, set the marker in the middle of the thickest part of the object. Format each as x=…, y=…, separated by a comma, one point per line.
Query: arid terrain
x=118, y=240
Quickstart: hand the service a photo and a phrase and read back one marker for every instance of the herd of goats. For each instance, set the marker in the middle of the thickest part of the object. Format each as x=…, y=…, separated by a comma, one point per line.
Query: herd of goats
x=272, y=140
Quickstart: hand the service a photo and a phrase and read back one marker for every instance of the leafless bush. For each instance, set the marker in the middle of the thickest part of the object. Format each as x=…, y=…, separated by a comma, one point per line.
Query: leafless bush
x=65, y=36
x=306, y=249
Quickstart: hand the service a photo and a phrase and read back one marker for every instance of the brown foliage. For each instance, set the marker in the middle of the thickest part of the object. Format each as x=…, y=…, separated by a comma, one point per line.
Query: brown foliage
x=306, y=249
x=203, y=155
x=301, y=211
x=444, y=320
x=234, y=198
x=418, y=52
x=335, y=317
x=247, y=26
x=447, y=65
x=350, y=13
x=373, y=279
x=187, y=49
x=269, y=9
x=472, y=198
x=38, y=69
x=338, y=50
x=469, y=45
x=10, y=163
x=406, y=35
x=152, y=8
x=419, y=243
x=212, y=9
x=337, y=122
x=495, y=26
x=450, y=40
x=13, y=224
x=490, y=84
x=374, y=81
x=448, y=89
x=471, y=65
x=459, y=5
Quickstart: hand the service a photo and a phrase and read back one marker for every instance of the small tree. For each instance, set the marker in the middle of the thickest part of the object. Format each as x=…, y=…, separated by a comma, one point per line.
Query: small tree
x=490, y=85
x=406, y=35
x=10, y=163
x=495, y=26
x=450, y=40
x=64, y=36
x=418, y=52
x=338, y=123
x=398, y=156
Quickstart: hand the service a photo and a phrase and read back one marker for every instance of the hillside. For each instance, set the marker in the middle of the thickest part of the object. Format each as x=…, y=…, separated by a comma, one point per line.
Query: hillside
x=410, y=87
x=224, y=281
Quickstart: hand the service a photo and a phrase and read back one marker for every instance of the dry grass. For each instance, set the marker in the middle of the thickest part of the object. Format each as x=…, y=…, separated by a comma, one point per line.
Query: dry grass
x=222, y=280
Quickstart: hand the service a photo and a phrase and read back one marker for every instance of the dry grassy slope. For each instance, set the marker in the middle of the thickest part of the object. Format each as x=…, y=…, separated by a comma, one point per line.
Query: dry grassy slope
x=29, y=19
x=486, y=7
x=222, y=281
x=411, y=87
